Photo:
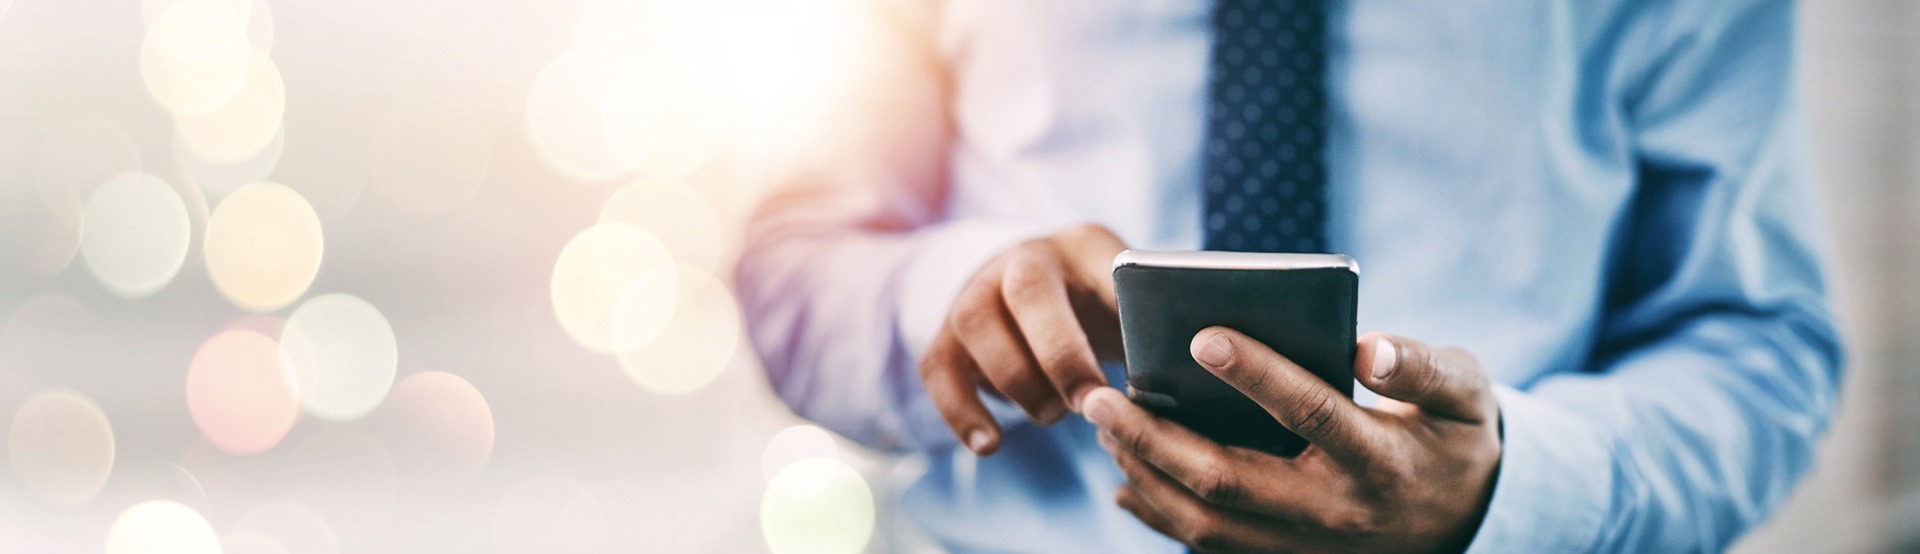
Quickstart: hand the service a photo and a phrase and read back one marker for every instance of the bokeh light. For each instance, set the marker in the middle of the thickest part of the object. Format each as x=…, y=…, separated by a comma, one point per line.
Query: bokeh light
x=427, y=158
x=678, y=215
x=238, y=394
x=222, y=179
x=61, y=446
x=42, y=222
x=697, y=342
x=793, y=444
x=135, y=234
x=600, y=270
x=263, y=246
x=566, y=116
x=342, y=354
x=440, y=425
x=817, y=506
x=241, y=127
x=550, y=513
x=162, y=527
x=196, y=54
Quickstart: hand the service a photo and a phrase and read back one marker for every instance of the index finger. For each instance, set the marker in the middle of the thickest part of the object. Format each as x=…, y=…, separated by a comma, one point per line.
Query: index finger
x=1215, y=474
x=1036, y=294
x=1292, y=395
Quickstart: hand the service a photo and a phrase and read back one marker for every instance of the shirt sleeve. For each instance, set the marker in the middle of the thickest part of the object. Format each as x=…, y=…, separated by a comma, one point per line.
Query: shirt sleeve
x=850, y=266
x=1716, y=362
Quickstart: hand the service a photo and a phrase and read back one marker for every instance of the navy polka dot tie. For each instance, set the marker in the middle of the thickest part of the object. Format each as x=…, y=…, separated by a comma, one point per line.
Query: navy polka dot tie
x=1263, y=170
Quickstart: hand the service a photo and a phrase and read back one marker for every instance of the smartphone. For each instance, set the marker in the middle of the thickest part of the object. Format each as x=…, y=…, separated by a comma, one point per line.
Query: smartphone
x=1300, y=305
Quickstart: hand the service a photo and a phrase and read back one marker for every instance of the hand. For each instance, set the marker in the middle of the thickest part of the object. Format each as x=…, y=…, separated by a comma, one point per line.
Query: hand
x=1031, y=327
x=1412, y=475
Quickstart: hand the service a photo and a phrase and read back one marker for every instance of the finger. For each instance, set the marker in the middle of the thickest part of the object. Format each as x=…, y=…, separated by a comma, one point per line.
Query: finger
x=1129, y=499
x=1300, y=401
x=1218, y=475
x=1036, y=292
x=952, y=381
x=986, y=331
x=1196, y=523
x=1443, y=381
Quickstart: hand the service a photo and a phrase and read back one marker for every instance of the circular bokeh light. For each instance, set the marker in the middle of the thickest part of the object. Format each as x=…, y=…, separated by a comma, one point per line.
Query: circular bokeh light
x=429, y=160
x=680, y=216
x=238, y=394
x=442, y=423
x=135, y=234
x=604, y=267
x=162, y=527
x=817, y=505
x=196, y=55
x=263, y=246
x=796, y=443
x=566, y=116
x=695, y=345
x=240, y=128
x=342, y=354
x=61, y=446
x=41, y=224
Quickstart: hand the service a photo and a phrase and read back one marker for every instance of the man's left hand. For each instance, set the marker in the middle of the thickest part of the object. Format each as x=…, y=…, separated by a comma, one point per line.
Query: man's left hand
x=1414, y=474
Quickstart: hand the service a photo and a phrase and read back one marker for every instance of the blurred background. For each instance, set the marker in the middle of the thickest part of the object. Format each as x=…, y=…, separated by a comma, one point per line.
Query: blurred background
x=449, y=275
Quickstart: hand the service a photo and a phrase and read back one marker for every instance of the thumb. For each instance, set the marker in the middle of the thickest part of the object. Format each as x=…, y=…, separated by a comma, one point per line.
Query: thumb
x=1443, y=381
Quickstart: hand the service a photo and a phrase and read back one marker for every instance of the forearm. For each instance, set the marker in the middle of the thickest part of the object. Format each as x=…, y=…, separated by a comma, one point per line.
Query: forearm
x=1680, y=444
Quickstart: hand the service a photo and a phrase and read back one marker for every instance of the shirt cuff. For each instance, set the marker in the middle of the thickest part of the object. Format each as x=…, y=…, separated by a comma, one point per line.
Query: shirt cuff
x=1554, y=484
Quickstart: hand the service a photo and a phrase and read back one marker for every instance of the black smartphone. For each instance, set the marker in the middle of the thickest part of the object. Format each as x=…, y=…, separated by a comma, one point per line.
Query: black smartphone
x=1301, y=305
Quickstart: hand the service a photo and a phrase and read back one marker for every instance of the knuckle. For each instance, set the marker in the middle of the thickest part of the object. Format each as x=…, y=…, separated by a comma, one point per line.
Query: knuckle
x=1058, y=358
x=1217, y=483
x=974, y=312
x=1314, y=416
x=1205, y=531
x=1346, y=521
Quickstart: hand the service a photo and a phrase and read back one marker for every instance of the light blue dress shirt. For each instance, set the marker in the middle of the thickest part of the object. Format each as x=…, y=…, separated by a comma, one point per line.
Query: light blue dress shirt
x=1607, y=202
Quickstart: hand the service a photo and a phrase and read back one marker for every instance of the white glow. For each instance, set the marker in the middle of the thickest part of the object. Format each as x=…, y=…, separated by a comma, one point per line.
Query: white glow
x=162, y=527
x=680, y=216
x=697, y=341
x=342, y=354
x=196, y=55
x=241, y=127
x=598, y=271
x=817, y=505
x=134, y=234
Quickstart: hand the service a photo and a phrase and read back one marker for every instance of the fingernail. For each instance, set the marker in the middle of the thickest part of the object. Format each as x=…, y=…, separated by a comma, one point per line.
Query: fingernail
x=978, y=440
x=1106, y=440
x=1214, y=352
x=1098, y=409
x=1385, y=358
x=1078, y=399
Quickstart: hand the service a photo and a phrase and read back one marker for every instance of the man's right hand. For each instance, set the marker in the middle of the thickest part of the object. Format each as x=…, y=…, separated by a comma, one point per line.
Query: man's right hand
x=1031, y=326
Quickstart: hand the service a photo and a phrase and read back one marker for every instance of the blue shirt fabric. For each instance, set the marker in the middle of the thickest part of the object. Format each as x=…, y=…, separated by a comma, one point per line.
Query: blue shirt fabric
x=1606, y=202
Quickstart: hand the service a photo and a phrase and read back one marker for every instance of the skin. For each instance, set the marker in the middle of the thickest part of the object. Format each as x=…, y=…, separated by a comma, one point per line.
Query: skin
x=1413, y=474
